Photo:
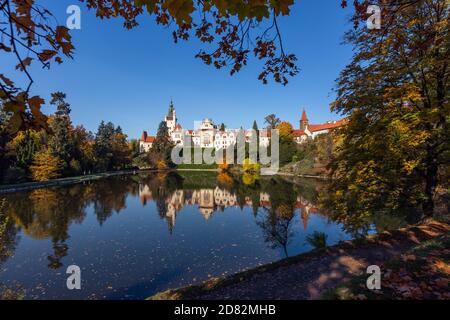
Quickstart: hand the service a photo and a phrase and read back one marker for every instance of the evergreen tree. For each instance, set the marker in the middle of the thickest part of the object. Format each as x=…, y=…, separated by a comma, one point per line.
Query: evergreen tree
x=103, y=146
x=111, y=148
x=163, y=144
x=60, y=141
x=255, y=126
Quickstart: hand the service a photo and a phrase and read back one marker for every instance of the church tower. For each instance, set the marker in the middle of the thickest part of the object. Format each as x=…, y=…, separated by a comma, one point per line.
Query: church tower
x=171, y=118
x=304, y=121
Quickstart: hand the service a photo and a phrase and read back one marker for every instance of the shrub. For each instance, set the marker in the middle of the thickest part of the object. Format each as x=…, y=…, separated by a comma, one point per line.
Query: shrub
x=14, y=175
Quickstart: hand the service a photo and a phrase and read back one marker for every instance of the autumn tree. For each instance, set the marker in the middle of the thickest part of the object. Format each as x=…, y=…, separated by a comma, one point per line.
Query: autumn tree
x=83, y=150
x=29, y=34
x=287, y=145
x=231, y=30
x=24, y=146
x=285, y=131
x=396, y=95
x=46, y=166
x=120, y=150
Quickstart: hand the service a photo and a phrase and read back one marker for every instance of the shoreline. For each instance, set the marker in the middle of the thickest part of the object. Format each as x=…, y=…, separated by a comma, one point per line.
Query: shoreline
x=27, y=186
x=309, y=275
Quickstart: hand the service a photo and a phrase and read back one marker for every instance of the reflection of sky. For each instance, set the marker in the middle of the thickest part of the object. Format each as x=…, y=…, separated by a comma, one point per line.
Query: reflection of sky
x=132, y=255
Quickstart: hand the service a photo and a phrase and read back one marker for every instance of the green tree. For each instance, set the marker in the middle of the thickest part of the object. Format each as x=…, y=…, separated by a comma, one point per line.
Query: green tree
x=255, y=126
x=163, y=144
x=60, y=141
x=133, y=146
x=103, y=146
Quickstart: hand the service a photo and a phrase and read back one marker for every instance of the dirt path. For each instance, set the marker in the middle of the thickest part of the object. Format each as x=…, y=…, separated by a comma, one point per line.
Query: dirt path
x=310, y=275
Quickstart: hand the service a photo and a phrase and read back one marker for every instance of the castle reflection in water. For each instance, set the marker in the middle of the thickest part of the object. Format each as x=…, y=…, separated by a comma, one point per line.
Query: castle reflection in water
x=211, y=200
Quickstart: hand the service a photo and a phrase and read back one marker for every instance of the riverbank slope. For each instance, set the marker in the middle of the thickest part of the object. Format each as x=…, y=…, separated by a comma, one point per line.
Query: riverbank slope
x=311, y=275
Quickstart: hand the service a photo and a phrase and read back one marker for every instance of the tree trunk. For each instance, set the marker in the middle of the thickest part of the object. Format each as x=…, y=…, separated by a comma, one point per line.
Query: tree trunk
x=430, y=186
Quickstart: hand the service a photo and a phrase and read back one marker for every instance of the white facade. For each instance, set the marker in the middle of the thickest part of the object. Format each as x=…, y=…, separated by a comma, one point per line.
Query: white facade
x=224, y=139
x=206, y=135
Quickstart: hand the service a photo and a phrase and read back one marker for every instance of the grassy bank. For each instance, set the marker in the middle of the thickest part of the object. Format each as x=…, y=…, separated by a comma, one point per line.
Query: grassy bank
x=302, y=276
x=197, y=166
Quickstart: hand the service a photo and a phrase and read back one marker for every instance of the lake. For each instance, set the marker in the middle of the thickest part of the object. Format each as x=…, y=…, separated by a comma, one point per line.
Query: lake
x=135, y=235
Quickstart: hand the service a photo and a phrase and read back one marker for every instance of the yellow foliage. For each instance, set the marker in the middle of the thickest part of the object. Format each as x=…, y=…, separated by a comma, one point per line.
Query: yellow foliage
x=285, y=130
x=46, y=166
x=161, y=165
x=285, y=211
x=223, y=167
x=225, y=179
x=249, y=178
x=249, y=167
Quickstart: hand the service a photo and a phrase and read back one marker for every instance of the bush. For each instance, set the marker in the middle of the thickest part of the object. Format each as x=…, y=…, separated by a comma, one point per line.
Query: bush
x=75, y=166
x=14, y=175
x=250, y=167
x=141, y=161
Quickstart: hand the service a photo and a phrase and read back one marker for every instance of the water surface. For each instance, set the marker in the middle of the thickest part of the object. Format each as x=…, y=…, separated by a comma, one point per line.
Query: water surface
x=133, y=236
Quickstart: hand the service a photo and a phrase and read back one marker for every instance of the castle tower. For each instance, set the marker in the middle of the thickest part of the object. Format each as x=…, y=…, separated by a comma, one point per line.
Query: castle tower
x=304, y=121
x=171, y=118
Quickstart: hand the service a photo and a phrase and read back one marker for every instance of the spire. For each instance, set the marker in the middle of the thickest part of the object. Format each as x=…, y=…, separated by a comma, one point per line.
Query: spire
x=171, y=108
x=304, y=116
x=304, y=121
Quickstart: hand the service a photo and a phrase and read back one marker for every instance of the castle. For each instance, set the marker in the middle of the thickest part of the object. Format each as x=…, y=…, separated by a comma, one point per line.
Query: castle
x=208, y=135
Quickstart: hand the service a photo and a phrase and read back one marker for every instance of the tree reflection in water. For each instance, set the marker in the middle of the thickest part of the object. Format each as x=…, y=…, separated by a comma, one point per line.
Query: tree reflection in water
x=48, y=213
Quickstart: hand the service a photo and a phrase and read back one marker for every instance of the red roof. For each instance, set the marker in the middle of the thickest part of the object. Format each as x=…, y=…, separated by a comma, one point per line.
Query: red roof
x=298, y=133
x=178, y=127
x=326, y=126
x=304, y=117
x=147, y=138
x=150, y=139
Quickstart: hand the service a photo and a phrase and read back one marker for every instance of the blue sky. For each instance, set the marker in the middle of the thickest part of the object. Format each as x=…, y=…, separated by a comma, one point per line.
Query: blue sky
x=129, y=77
